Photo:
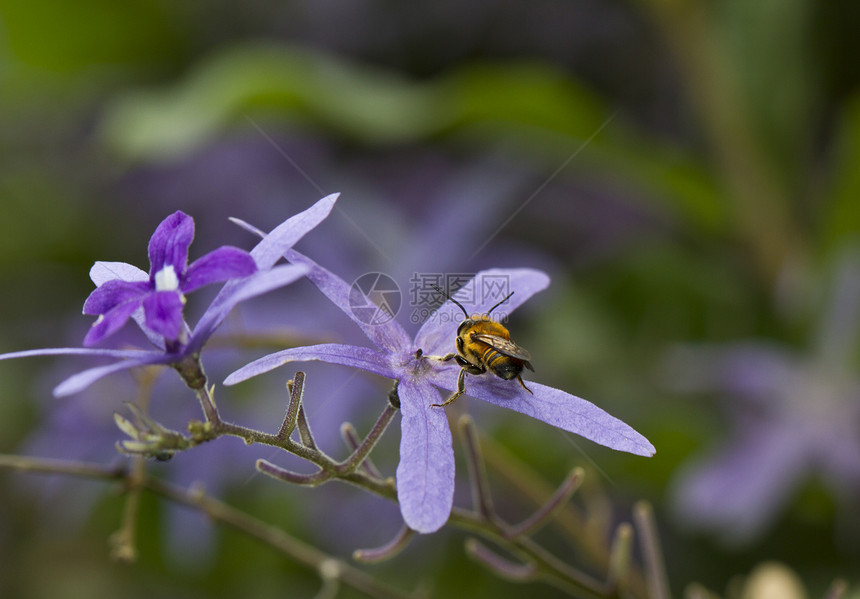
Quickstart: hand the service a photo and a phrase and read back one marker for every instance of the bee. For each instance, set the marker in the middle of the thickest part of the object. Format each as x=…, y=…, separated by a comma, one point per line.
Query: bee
x=484, y=344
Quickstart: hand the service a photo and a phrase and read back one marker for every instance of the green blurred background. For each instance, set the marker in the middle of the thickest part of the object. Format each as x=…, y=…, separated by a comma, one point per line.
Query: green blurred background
x=687, y=171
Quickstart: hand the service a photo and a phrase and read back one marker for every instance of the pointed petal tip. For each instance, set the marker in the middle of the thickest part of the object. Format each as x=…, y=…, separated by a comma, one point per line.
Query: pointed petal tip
x=649, y=451
x=234, y=378
x=256, y=368
x=636, y=445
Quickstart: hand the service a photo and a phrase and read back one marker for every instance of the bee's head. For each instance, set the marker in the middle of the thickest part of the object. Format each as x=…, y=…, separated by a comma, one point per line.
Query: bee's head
x=469, y=323
x=475, y=318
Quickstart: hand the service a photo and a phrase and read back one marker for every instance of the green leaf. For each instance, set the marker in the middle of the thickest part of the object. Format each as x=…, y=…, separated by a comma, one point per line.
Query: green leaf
x=540, y=113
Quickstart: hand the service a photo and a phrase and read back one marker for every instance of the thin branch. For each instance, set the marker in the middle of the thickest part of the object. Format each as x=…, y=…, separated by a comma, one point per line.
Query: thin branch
x=122, y=542
x=116, y=471
x=305, y=430
x=504, y=568
x=352, y=440
x=549, y=510
x=251, y=436
x=329, y=468
x=485, y=521
x=655, y=569
x=384, y=487
x=310, y=480
x=207, y=404
x=552, y=569
x=296, y=389
x=481, y=495
x=387, y=551
x=330, y=574
x=571, y=520
x=619, y=559
x=299, y=551
x=363, y=450
x=380, y=486
x=327, y=566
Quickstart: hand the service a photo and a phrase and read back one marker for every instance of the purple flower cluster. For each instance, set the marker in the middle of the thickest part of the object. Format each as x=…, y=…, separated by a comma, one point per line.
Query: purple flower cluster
x=425, y=474
x=161, y=295
x=155, y=301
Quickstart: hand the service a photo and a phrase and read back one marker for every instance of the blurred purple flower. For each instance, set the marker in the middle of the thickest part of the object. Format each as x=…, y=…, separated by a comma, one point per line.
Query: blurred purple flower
x=169, y=247
x=161, y=294
x=793, y=415
x=425, y=474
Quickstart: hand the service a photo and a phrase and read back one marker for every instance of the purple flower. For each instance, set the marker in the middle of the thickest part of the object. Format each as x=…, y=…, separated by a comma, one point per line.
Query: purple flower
x=793, y=415
x=161, y=295
x=425, y=474
x=130, y=291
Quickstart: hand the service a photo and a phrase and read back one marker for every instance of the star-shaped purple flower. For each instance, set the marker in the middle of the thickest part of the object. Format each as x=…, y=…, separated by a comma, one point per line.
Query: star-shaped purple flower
x=425, y=474
x=161, y=295
x=152, y=299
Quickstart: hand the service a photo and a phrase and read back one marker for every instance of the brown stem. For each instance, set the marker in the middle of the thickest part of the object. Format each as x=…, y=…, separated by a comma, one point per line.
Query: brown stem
x=655, y=569
x=387, y=551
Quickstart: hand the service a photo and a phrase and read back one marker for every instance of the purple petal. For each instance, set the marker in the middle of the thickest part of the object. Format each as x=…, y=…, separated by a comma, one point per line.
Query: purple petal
x=287, y=234
x=102, y=272
x=217, y=266
x=235, y=292
x=388, y=336
x=80, y=381
x=113, y=293
x=425, y=474
x=266, y=253
x=170, y=242
x=124, y=354
x=437, y=334
x=739, y=489
x=333, y=353
x=109, y=323
x=163, y=313
x=553, y=406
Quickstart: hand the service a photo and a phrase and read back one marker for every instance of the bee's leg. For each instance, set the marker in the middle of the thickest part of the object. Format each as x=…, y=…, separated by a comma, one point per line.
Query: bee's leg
x=461, y=388
x=520, y=379
x=444, y=358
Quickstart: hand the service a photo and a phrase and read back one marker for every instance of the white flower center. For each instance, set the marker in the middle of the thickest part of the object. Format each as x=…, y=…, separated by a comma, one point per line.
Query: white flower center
x=166, y=279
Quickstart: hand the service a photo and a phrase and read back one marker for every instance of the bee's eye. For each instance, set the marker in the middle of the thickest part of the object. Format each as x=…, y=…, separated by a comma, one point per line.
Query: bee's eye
x=463, y=326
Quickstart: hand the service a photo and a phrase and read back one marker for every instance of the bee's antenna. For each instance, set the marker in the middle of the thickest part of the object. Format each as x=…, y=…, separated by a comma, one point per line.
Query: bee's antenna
x=439, y=289
x=490, y=311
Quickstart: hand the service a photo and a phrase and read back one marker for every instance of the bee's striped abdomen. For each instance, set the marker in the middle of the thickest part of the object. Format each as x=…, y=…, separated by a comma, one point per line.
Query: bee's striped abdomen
x=491, y=355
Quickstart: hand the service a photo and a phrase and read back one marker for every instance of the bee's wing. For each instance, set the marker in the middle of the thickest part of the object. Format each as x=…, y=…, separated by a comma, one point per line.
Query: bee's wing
x=505, y=346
